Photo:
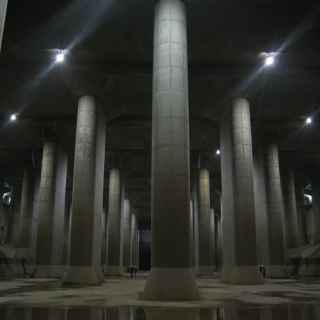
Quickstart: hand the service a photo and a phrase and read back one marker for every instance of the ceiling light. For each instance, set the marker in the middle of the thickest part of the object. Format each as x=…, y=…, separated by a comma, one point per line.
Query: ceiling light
x=218, y=152
x=269, y=58
x=308, y=121
x=269, y=61
x=60, y=57
x=13, y=117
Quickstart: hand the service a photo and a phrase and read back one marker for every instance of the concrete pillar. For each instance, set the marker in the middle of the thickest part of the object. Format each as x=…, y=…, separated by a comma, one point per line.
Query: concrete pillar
x=114, y=266
x=213, y=238
x=219, y=253
x=104, y=237
x=3, y=14
x=4, y=225
x=99, y=191
x=195, y=211
x=261, y=209
x=14, y=210
x=46, y=211
x=238, y=220
x=275, y=206
x=82, y=268
x=315, y=218
x=192, y=248
x=25, y=217
x=172, y=275
x=126, y=234
x=301, y=213
x=133, y=238
x=59, y=215
x=35, y=217
x=291, y=211
x=205, y=239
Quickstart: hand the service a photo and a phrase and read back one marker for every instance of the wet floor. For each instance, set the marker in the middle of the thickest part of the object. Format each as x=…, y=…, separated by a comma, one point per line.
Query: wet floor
x=228, y=312
x=44, y=299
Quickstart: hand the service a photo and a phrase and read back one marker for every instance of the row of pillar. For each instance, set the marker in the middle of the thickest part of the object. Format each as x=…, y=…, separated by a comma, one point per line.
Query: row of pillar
x=43, y=209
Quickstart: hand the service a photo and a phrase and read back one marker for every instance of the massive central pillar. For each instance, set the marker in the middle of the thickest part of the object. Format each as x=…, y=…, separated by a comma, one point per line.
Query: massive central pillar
x=205, y=227
x=275, y=208
x=82, y=268
x=238, y=219
x=172, y=275
x=114, y=224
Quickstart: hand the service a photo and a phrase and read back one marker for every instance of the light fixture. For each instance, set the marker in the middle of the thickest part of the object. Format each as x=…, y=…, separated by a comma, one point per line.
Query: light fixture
x=60, y=57
x=308, y=121
x=269, y=61
x=269, y=58
x=218, y=152
x=13, y=117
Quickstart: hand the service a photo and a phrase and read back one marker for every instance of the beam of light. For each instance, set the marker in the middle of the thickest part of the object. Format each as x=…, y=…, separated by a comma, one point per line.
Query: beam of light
x=306, y=24
x=86, y=16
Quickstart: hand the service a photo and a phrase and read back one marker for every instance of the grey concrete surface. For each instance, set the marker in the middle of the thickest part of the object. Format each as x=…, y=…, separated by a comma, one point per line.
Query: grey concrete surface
x=100, y=157
x=261, y=209
x=46, y=210
x=126, y=233
x=59, y=214
x=315, y=218
x=172, y=275
x=195, y=223
x=133, y=241
x=291, y=211
x=240, y=263
x=124, y=292
x=275, y=205
x=205, y=230
x=114, y=224
x=81, y=267
x=25, y=218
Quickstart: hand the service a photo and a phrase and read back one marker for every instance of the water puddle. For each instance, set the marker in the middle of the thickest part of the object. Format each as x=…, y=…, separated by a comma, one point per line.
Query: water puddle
x=230, y=312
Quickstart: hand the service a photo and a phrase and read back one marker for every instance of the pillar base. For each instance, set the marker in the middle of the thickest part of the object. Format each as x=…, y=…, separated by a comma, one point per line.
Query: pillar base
x=113, y=270
x=310, y=270
x=276, y=271
x=242, y=275
x=171, y=284
x=48, y=271
x=205, y=271
x=87, y=275
x=58, y=271
x=23, y=253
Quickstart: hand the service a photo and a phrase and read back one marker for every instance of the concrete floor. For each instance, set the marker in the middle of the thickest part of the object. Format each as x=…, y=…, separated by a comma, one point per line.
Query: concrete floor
x=124, y=292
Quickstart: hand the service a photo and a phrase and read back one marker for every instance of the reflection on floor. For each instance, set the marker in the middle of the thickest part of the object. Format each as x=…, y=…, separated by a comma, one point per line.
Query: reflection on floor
x=124, y=292
x=228, y=312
